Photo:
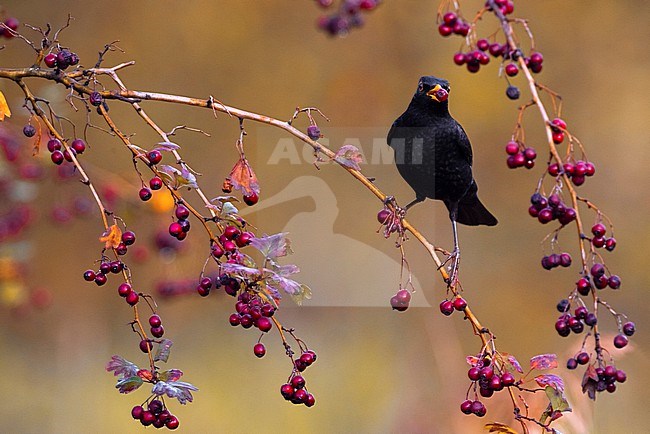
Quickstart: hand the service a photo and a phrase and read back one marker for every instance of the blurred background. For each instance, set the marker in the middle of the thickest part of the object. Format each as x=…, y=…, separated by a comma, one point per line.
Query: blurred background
x=377, y=370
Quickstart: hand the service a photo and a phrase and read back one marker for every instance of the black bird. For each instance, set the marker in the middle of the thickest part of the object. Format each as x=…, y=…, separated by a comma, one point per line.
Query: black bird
x=434, y=156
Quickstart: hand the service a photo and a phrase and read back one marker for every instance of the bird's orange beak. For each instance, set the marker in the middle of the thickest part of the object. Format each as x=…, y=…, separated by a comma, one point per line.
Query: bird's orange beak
x=438, y=94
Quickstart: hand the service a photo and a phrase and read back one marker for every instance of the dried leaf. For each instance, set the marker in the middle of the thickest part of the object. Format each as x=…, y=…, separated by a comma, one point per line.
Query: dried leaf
x=4, y=108
x=121, y=366
x=112, y=237
x=349, y=156
x=128, y=385
x=590, y=382
x=243, y=178
x=551, y=380
x=164, y=348
x=514, y=363
x=231, y=268
x=472, y=360
x=170, y=375
x=229, y=208
x=167, y=146
x=543, y=362
x=177, y=178
x=273, y=246
x=145, y=374
x=302, y=295
x=499, y=427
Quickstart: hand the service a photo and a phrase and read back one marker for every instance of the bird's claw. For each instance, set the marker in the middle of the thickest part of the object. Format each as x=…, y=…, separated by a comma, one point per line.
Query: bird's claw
x=390, y=202
x=454, y=257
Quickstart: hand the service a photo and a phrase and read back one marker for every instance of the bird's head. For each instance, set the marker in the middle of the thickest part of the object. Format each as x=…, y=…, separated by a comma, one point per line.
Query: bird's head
x=432, y=91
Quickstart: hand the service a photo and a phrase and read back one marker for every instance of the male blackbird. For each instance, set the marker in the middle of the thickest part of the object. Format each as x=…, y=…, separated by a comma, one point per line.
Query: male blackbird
x=434, y=155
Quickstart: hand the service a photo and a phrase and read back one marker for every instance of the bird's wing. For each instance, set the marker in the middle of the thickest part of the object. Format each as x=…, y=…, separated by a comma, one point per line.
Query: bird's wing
x=391, y=132
x=464, y=144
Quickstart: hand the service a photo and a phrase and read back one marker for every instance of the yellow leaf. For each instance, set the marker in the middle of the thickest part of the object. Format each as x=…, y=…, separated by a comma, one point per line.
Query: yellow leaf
x=112, y=237
x=499, y=428
x=4, y=107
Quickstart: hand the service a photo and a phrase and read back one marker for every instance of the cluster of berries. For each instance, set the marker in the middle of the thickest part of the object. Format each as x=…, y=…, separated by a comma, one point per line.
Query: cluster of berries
x=599, y=240
x=348, y=16
x=551, y=208
x=181, y=226
x=251, y=311
x=555, y=260
x=61, y=60
x=400, y=301
x=156, y=415
x=58, y=155
x=447, y=307
x=230, y=241
x=295, y=391
x=484, y=377
x=518, y=156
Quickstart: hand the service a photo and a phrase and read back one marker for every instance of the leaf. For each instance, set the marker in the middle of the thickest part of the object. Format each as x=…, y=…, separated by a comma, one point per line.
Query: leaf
x=551, y=380
x=285, y=270
x=302, y=295
x=349, y=156
x=170, y=375
x=177, y=178
x=273, y=246
x=112, y=237
x=167, y=146
x=543, y=362
x=590, y=382
x=121, y=366
x=164, y=348
x=4, y=108
x=243, y=178
x=231, y=268
x=128, y=385
x=472, y=360
x=514, y=363
x=175, y=389
x=145, y=374
x=499, y=427
x=289, y=286
x=557, y=399
x=229, y=208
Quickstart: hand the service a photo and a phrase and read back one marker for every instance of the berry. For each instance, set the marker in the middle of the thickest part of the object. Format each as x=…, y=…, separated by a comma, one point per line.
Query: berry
x=598, y=241
x=404, y=296
x=137, y=411
x=95, y=99
x=145, y=194
x=128, y=238
x=620, y=376
x=259, y=350
x=545, y=215
x=449, y=18
x=629, y=328
x=54, y=145
x=512, y=92
x=511, y=70
x=298, y=382
x=147, y=418
x=507, y=379
x=89, y=275
x=175, y=229
x=478, y=408
x=563, y=305
x=117, y=266
x=558, y=137
x=287, y=390
x=382, y=216
x=538, y=58
x=264, y=324
x=459, y=58
x=155, y=406
x=562, y=328
x=620, y=341
x=229, y=246
x=67, y=155
x=591, y=319
x=217, y=251
x=610, y=244
x=597, y=270
x=530, y=154
x=614, y=282
x=583, y=286
x=460, y=303
x=234, y=319
x=512, y=148
x=565, y=260
x=496, y=384
x=146, y=345
x=582, y=358
x=172, y=423
x=571, y=363
x=155, y=183
x=445, y=30
x=132, y=298
x=581, y=312
x=474, y=373
x=155, y=321
x=231, y=232
x=251, y=199
x=50, y=60
x=598, y=230
x=100, y=279
x=124, y=289
x=244, y=239
x=313, y=132
x=558, y=124
x=447, y=307
x=29, y=130
x=154, y=156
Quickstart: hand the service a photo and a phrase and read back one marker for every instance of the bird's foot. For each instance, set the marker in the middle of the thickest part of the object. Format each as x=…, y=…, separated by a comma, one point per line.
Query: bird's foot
x=391, y=204
x=454, y=260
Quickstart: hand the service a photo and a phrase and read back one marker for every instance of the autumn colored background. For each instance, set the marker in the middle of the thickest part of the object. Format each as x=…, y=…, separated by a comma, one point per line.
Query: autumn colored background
x=378, y=370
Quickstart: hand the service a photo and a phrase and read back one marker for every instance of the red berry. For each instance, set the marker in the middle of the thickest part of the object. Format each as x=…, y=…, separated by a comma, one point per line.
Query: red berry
x=582, y=358
x=474, y=373
x=182, y=212
x=155, y=183
x=78, y=145
x=244, y=239
x=507, y=379
x=445, y=30
x=287, y=391
x=614, y=282
x=137, y=411
x=629, y=328
x=172, y=423
x=50, y=60
x=146, y=345
x=447, y=307
x=155, y=321
x=100, y=279
x=538, y=58
x=598, y=230
x=154, y=156
x=132, y=298
x=620, y=341
x=231, y=232
x=558, y=137
x=512, y=148
x=459, y=59
x=530, y=154
x=298, y=382
x=264, y=324
x=511, y=69
x=124, y=289
x=145, y=194
x=610, y=244
x=460, y=303
x=558, y=125
x=483, y=44
x=89, y=275
x=449, y=18
x=175, y=229
x=251, y=199
x=554, y=169
x=259, y=350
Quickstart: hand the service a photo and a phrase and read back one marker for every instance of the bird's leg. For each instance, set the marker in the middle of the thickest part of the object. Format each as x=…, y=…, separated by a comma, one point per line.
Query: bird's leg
x=454, y=256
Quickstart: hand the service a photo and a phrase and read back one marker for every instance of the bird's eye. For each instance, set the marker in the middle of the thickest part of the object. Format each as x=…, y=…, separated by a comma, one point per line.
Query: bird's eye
x=420, y=87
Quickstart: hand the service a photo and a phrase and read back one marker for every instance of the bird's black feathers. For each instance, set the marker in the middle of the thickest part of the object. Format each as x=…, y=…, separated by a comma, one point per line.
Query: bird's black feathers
x=434, y=156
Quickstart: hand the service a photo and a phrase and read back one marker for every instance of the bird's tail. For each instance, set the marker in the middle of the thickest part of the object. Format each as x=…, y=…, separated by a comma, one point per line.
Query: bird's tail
x=472, y=212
